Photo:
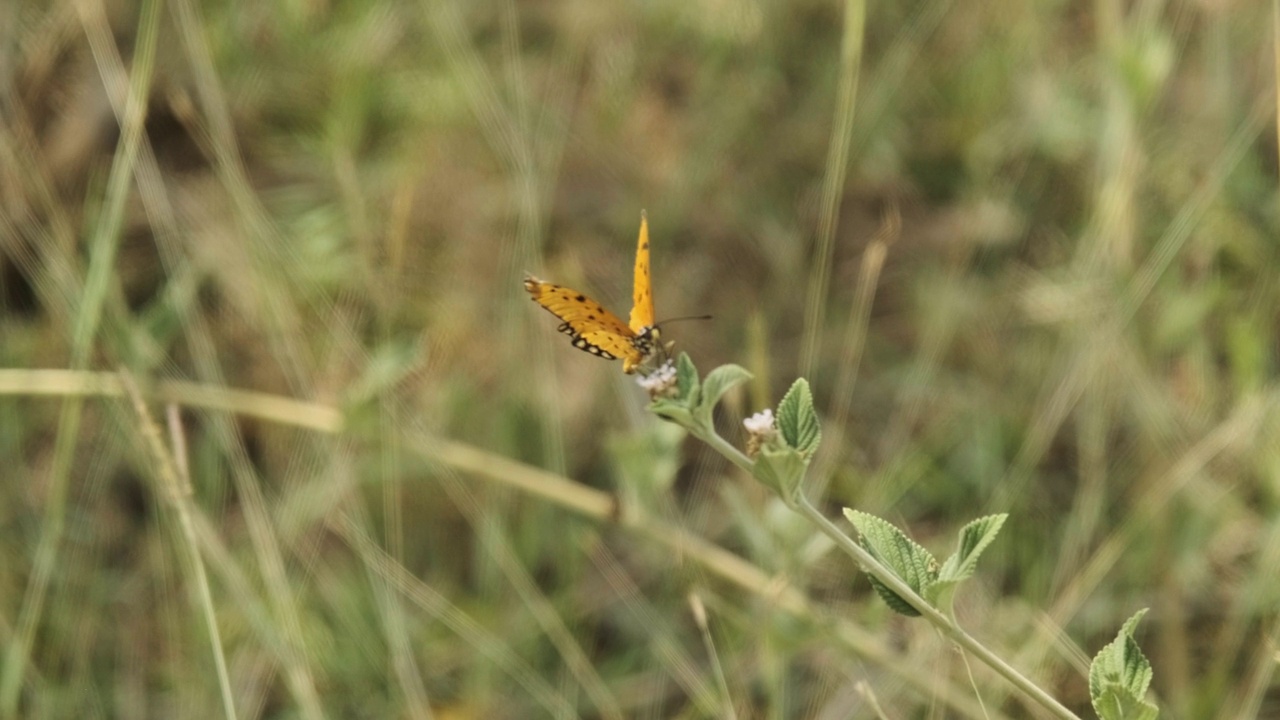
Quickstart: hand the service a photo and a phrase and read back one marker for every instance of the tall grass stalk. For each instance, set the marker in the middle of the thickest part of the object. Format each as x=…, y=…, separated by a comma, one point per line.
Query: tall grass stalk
x=172, y=485
x=837, y=166
x=103, y=242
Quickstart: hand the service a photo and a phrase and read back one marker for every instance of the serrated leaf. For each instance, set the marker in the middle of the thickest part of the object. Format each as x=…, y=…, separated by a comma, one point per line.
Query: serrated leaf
x=892, y=599
x=715, y=385
x=687, y=381
x=781, y=469
x=1118, y=704
x=974, y=539
x=1130, y=626
x=798, y=420
x=1119, y=677
x=908, y=560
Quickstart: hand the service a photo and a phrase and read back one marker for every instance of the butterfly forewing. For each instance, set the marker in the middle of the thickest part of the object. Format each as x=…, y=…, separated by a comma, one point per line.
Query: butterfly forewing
x=642, y=290
x=592, y=328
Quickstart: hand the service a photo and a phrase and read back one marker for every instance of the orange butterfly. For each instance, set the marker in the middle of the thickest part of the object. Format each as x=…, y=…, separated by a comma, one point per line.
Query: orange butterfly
x=597, y=330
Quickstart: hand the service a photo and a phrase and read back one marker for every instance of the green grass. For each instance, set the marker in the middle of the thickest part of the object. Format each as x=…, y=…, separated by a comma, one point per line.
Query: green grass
x=410, y=497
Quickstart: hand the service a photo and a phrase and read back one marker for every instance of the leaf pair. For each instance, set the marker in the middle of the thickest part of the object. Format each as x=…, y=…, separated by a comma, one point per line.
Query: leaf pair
x=917, y=566
x=1119, y=675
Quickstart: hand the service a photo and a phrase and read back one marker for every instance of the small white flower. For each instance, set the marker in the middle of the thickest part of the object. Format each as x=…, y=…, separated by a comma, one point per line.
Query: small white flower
x=760, y=431
x=660, y=382
x=761, y=423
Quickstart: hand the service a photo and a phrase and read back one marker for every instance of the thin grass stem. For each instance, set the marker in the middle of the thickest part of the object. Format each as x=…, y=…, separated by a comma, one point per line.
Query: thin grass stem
x=174, y=489
x=104, y=242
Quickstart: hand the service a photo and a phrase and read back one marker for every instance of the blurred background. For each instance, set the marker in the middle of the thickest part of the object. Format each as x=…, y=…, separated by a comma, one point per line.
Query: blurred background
x=1024, y=252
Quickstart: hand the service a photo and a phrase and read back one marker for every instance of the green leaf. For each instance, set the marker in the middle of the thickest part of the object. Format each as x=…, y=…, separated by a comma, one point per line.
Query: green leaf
x=1131, y=626
x=974, y=538
x=687, y=381
x=674, y=410
x=798, y=420
x=715, y=385
x=783, y=470
x=1117, y=704
x=941, y=594
x=1119, y=677
x=910, y=562
x=680, y=409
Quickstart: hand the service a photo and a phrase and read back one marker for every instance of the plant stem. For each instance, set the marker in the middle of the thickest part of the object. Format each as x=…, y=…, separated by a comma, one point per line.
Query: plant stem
x=721, y=446
x=703, y=430
x=946, y=625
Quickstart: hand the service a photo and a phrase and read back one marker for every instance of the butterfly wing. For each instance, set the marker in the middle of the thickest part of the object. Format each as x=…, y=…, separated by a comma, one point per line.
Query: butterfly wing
x=642, y=290
x=592, y=328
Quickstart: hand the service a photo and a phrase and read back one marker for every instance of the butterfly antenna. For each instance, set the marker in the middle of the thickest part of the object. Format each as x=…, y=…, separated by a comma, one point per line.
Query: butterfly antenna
x=682, y=319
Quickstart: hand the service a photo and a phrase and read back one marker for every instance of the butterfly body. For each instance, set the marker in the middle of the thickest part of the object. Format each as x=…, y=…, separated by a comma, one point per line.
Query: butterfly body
x=594, y=329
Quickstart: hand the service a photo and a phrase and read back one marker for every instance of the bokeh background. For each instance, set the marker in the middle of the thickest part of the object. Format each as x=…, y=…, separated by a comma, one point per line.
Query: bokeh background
x=1025, y=252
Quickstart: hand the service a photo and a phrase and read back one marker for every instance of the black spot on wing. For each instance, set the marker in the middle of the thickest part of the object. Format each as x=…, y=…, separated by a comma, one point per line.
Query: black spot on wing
x=583, y=344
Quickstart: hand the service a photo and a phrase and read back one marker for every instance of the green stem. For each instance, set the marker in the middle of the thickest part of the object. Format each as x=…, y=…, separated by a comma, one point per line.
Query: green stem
x=704, y=431
x=944, y=624
x=722, y=446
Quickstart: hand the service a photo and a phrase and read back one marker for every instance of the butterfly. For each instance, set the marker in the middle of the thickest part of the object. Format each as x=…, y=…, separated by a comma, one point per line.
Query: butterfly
x=598, y=331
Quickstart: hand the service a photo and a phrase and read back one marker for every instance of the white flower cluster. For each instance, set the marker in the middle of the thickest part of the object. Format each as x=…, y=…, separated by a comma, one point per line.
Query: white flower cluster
x=761, y=423
x=760, y=431
x=660, y=381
